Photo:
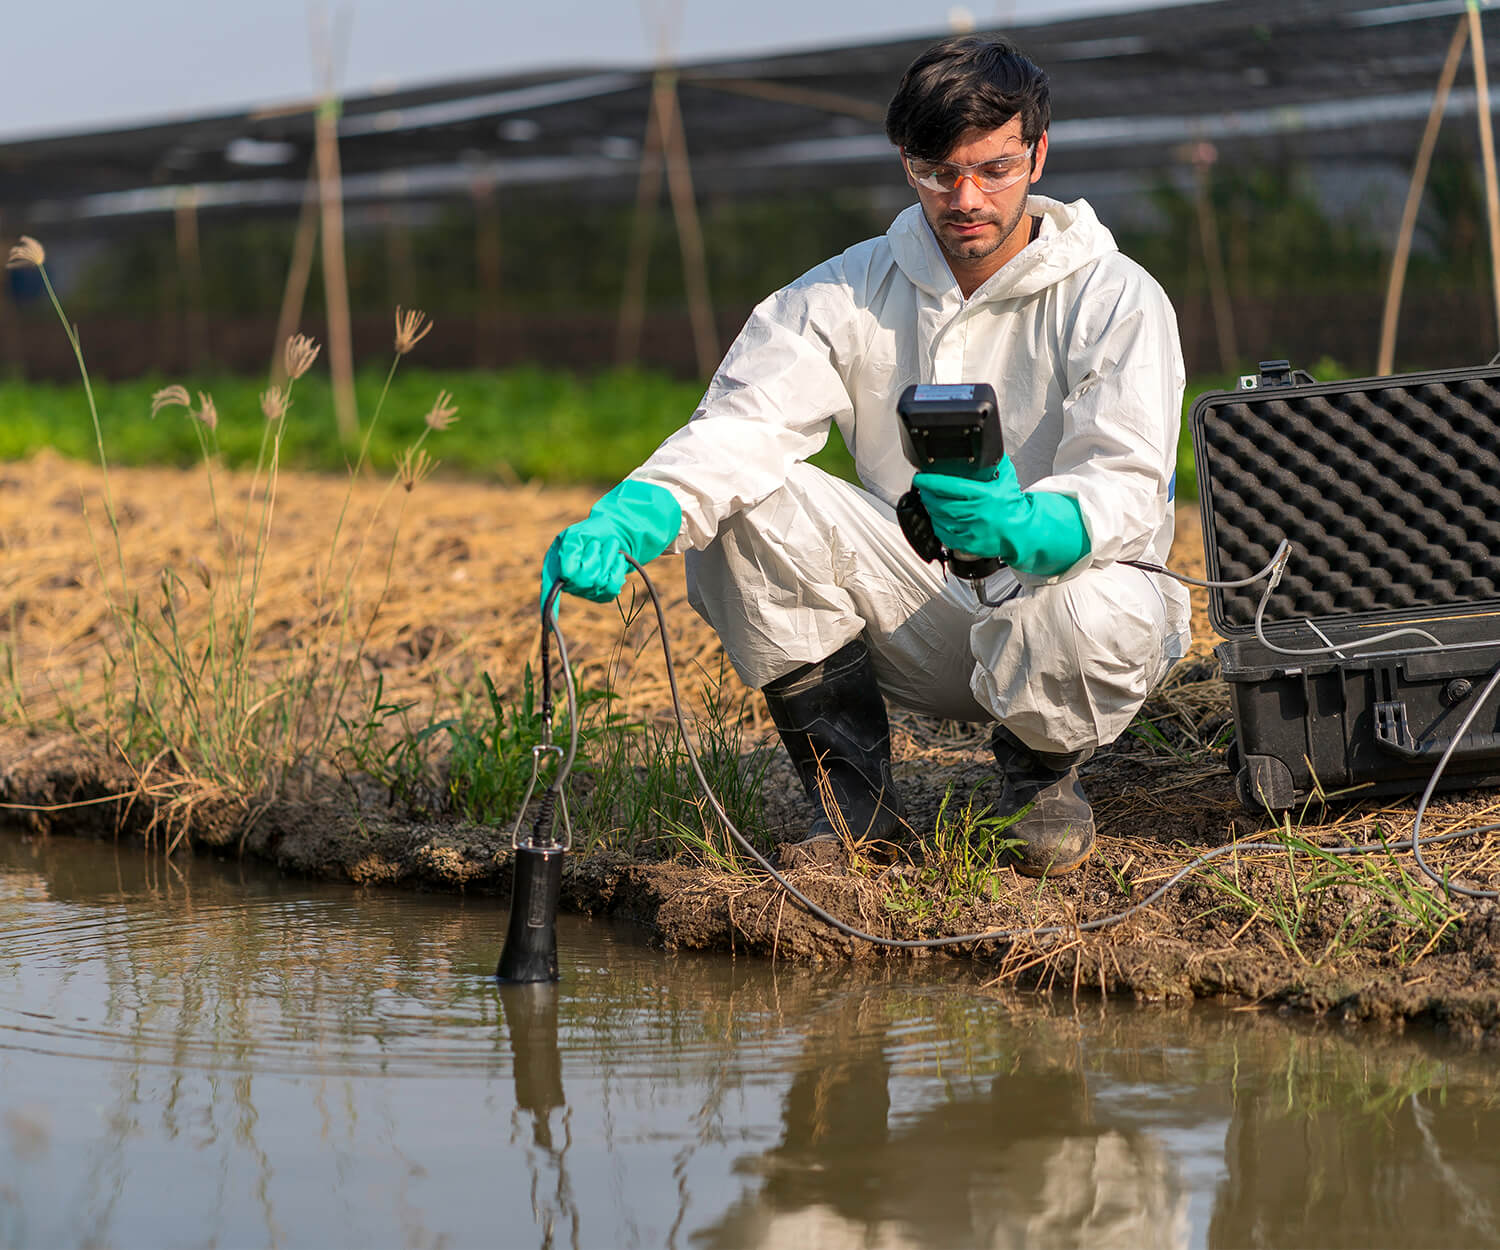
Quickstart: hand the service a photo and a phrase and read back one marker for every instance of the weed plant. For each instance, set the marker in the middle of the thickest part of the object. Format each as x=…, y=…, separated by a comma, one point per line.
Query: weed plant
x=632, y=787
x=1324, y=907
x=187, y=693
x=964, y=861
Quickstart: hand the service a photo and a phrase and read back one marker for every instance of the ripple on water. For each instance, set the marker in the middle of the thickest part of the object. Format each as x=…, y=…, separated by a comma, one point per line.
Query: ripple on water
x=331, y=986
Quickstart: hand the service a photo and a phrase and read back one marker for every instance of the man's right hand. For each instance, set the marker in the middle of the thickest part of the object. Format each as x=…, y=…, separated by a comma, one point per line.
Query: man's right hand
x=639, y=519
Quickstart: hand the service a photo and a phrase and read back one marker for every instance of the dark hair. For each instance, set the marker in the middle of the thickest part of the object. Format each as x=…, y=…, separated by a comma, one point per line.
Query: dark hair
x=969, y=82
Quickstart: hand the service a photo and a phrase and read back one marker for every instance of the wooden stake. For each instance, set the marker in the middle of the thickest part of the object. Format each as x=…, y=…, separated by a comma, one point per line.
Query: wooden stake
x=1208, y=233
x=1386, y=359
x=304, y=242
x=633, y=296
x=689, y=233
x=335, y=275
x=190, y=267
x=1487, y=149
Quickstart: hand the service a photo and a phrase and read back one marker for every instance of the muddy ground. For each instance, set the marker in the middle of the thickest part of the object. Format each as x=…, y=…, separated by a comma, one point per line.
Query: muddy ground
x=1276, y=931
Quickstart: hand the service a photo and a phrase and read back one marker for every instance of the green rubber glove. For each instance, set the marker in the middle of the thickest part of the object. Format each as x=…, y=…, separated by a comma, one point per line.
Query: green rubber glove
x=1038, y=532
x=640, y=519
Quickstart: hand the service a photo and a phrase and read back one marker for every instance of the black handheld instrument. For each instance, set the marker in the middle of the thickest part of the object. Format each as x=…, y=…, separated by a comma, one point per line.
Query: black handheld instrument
x=953, y=430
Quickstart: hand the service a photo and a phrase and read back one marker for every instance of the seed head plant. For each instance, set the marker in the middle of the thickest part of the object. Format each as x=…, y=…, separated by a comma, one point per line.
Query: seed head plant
x=301, y=351
x=28, y=252
x=203, y=704
x=414, y=465
x=274, y=402
x=170, y=397
x=442, y=414
x=411, y=327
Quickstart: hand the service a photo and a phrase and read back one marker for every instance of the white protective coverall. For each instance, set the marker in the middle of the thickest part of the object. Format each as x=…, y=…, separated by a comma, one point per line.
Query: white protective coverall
x=788, y=563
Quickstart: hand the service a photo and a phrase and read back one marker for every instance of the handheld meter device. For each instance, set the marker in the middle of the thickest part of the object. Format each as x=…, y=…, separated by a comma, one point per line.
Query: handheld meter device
x=953, y=430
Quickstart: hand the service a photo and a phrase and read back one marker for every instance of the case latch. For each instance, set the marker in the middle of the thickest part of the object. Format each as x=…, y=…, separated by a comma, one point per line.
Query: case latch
x=1392, y=729
x=1274, y=373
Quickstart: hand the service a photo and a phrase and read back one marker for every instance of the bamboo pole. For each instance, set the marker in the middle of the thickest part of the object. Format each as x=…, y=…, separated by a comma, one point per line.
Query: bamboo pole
x=1204, y=156
x=304, y=244
x=1385, y=361
x=689, y=232
x=335, y=274
x=1487, y=149
x=647, y=193
x=190, y=267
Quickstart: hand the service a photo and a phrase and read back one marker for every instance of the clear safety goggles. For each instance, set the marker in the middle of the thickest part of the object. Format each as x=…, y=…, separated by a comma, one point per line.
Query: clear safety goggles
x=988, y=176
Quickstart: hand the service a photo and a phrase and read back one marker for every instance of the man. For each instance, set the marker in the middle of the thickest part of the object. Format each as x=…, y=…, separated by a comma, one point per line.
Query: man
x=817, y=597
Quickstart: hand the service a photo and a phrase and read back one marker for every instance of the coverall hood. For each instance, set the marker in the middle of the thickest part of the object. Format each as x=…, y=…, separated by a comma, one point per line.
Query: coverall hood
x=1071, y=236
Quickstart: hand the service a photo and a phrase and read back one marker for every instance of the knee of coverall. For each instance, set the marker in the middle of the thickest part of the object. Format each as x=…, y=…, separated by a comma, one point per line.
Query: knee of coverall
x=1066, y=665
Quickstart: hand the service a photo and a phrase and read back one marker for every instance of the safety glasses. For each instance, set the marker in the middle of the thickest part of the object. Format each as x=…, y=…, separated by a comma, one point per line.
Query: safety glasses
x=988, y=176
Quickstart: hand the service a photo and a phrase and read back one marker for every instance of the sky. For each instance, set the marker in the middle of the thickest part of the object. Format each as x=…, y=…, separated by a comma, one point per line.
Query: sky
x=92, y=64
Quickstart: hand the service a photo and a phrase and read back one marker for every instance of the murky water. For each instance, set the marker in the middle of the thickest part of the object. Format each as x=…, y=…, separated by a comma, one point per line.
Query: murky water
x=194, y=1054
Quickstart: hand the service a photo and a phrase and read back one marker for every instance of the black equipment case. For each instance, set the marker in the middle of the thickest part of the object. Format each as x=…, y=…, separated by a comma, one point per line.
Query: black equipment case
x=1389, y=491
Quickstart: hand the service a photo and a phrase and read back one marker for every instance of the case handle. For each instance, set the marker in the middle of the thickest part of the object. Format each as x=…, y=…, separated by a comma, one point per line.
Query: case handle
x=1393, y=733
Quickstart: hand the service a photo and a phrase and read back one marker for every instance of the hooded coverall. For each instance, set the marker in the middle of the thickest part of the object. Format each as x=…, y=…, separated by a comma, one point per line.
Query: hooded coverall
x=788, y=563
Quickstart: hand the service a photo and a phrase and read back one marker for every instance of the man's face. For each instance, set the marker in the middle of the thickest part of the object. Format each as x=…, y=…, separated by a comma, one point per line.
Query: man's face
x=980, y=231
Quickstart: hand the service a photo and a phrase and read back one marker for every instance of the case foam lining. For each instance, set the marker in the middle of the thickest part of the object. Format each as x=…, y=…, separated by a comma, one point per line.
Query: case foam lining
x=1390, y=495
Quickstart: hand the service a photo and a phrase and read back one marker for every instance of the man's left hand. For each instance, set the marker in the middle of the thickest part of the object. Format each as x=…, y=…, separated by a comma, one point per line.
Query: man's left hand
x=1038, y=532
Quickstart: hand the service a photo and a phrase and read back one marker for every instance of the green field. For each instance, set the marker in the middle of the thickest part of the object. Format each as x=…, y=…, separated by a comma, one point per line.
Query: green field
x=515, y=425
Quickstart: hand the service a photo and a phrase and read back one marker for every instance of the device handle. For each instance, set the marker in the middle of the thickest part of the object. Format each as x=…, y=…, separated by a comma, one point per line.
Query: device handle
x=1393, y=733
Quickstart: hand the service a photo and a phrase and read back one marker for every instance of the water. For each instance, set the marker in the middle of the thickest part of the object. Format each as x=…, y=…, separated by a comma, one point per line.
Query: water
x=197, y=1054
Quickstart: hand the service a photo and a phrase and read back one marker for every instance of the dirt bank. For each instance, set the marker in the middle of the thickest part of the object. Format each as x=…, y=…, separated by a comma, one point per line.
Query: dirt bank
x=1364, y=944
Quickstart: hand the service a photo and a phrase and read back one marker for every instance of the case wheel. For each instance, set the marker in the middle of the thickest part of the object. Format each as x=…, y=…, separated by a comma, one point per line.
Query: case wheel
x=1264, y=783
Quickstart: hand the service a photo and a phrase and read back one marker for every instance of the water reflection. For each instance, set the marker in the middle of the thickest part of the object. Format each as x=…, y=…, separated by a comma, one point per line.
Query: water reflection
x=208, y=1053
x=1016, y=1157
x=531, y=1022
x=1338, y=1145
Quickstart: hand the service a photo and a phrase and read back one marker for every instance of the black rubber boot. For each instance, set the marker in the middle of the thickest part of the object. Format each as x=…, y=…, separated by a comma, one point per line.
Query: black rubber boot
x=1056, y=828
x=834, y=726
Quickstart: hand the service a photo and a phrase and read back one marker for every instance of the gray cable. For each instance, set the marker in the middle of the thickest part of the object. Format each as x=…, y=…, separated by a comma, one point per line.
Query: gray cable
x=1274, y=569
x=1416, y=827
x=990, y=935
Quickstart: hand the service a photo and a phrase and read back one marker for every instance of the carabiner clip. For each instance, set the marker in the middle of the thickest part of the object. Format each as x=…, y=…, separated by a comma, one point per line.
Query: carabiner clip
x=553, y=797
